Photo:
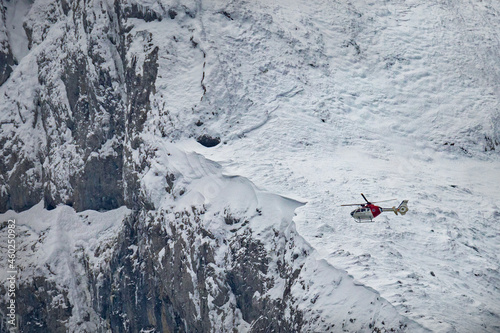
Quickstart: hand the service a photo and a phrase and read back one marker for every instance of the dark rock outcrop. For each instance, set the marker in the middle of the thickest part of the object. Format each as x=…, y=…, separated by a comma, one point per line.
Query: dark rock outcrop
x=208, y=141
x=185, y=271
x=6, y=63
x=41, y=302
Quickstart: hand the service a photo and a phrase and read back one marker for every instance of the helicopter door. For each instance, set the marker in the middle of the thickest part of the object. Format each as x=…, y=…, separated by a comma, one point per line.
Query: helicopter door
x=375, y=210
x=363, y=215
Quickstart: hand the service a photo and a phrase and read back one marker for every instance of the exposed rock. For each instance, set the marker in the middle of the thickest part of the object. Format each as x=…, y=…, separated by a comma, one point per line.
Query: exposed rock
x=87, y=108
x=208, y=141
x=172, y=13
x=92, y=167
x=160, y=279
x=38, y=304
x=490, y=144
x=6, y=57
x=141, y=85
x=24, y=193
x=139, y=12
x=102, y=177
x=6, y=63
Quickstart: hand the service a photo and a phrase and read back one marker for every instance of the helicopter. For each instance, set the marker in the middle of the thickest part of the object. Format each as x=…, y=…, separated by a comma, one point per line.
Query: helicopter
x=368, y=211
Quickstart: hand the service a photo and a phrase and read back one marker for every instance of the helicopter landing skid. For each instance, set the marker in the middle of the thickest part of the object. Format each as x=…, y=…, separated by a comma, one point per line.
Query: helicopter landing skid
x=363, y=221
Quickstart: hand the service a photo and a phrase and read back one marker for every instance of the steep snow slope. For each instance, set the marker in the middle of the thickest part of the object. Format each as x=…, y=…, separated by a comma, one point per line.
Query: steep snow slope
x=394, y=99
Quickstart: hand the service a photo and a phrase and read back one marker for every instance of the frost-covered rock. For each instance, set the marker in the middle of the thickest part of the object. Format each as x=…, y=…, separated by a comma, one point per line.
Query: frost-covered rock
x=6, y=57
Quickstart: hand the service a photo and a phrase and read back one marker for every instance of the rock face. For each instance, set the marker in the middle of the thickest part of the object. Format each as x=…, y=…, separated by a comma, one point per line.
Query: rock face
x=99, y=74
x=6, y=63
x=208, y=141
x=6, y=56
x=178, y=286
x=39, y=305
x=84, y=114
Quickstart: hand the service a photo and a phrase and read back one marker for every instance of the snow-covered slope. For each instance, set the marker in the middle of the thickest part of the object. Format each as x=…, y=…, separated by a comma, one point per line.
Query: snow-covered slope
x=316, y=101
x=241, y=227
x=407, y=107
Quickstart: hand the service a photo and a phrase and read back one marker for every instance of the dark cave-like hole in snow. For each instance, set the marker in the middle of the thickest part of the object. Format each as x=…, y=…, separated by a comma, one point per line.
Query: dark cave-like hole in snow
x=208, y=141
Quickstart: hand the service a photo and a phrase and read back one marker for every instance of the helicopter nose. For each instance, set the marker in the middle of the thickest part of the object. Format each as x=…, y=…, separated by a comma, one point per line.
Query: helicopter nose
x=352, y=213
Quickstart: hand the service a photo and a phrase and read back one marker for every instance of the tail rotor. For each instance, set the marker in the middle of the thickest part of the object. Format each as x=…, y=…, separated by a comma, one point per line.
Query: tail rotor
x=403, y=208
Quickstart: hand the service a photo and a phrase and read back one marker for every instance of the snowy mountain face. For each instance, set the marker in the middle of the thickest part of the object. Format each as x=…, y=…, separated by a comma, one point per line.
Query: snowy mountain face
x=180, y=166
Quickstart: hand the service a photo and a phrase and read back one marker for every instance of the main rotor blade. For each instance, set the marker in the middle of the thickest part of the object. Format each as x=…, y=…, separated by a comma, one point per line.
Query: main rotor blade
x=364, y=198
x=354, y=204
x=384, y=200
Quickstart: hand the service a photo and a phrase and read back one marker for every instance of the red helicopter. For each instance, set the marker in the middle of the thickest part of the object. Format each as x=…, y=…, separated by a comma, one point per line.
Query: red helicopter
x=368, y=211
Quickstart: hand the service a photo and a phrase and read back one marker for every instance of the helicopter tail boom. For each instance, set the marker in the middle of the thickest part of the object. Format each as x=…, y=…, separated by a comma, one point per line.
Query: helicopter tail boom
x=402, y=208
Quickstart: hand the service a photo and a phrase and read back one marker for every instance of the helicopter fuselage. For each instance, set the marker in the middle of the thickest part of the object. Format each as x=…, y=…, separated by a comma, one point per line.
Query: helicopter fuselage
x=366, y=212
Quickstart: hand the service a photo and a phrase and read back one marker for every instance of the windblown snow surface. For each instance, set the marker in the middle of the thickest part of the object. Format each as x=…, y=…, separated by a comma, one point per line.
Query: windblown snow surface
x=395, y=99
x=319, y=101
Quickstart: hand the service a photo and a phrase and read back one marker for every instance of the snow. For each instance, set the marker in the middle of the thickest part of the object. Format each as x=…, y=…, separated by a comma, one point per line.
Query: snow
x=449, y=230
x=60, y=232
x=405, y=117
x=315, y=103
x=14, y=19
x=54, y=244
x=223, y=196
x=322, y=101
